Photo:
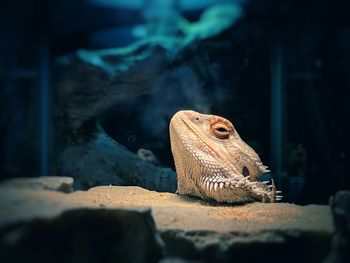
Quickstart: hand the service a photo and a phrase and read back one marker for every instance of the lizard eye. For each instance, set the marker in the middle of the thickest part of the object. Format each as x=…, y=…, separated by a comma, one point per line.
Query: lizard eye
x=220, y=130
x=196, y=119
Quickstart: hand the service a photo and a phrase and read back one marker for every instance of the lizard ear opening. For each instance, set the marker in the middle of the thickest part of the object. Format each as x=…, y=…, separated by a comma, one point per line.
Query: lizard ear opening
x=245, y=171
x=220, y=130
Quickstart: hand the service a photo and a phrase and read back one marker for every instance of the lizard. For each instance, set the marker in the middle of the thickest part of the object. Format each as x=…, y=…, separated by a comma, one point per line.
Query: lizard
x=212, y=162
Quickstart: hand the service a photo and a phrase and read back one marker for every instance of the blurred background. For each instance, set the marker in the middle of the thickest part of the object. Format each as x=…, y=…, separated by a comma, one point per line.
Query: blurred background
x=280, y=73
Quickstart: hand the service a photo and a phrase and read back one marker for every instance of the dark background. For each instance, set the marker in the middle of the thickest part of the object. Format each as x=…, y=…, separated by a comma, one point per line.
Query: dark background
x=312, y=38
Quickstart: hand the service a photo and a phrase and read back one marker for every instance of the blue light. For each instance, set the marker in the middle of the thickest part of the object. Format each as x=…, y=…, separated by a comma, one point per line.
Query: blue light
x=138, y=4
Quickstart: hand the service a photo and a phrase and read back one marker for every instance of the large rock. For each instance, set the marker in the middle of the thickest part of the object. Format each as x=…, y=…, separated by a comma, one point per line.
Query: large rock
x=340, y=247
x=102, y=161
x=55, y=183
x=90, y=82
x=191, y=229
x=84, y=235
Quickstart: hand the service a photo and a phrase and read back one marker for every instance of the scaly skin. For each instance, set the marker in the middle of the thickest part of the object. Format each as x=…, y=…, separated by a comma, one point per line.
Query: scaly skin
x=213, y=162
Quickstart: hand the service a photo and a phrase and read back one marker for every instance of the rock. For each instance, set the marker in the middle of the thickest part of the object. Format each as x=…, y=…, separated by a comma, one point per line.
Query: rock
x=340, y=247
x=54, y=183
x=102, y=161
x=90, y=82
x=191, y=229
x=85, y=235
x=148, y=156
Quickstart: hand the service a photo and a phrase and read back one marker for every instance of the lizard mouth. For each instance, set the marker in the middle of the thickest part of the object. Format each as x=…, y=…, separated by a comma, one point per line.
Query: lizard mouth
x=262, y=190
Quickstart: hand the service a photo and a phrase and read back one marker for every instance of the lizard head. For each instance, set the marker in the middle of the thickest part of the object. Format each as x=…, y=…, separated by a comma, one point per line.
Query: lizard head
x=213, y=162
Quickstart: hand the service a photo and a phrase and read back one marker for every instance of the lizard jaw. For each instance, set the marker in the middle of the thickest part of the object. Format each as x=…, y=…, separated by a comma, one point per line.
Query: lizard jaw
x=219, y=188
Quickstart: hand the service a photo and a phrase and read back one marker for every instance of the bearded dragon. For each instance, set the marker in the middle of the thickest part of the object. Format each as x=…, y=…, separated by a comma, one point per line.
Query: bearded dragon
x=212, y=161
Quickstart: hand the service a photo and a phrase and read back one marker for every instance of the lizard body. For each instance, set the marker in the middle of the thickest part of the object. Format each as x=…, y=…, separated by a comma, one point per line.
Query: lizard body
x=213, y=162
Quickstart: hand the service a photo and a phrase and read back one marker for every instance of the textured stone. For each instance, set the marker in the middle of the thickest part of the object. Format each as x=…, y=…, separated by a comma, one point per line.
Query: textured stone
x=85, y=235
x=193, y=229
x=340, y=247
x=55, y=183
x=102, y=161
x=91, y=82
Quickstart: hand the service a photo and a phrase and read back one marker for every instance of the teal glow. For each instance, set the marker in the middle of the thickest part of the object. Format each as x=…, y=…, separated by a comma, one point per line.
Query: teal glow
x=138, y=4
